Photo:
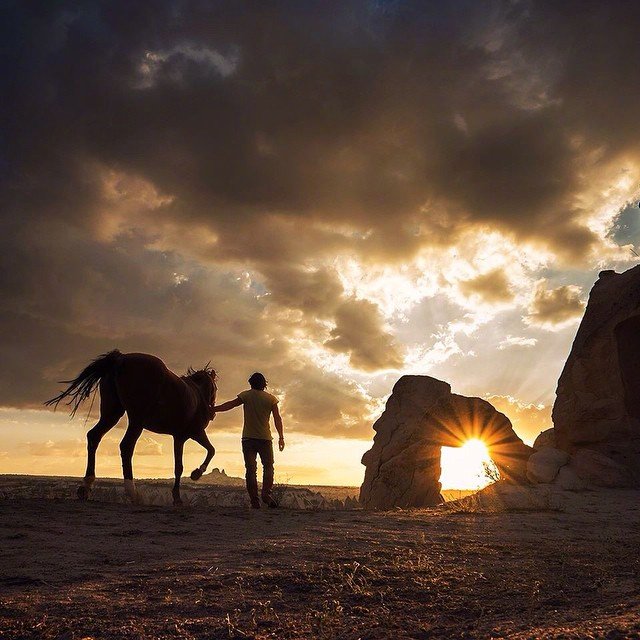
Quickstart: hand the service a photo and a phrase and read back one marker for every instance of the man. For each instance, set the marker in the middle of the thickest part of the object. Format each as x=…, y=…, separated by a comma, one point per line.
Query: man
x=258, y=405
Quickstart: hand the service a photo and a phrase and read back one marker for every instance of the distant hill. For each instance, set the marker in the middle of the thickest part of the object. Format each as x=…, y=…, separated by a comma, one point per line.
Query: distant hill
x=219, y=476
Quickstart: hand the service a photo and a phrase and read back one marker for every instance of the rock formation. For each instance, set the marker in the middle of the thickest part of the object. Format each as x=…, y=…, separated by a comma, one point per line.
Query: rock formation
x=543, y=466
x=421, y=416
x=220, y=477
x=598, y=397
x=546, y=438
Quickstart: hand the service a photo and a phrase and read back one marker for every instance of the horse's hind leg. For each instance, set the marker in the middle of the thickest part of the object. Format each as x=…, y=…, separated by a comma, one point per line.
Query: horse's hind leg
x=111, y=410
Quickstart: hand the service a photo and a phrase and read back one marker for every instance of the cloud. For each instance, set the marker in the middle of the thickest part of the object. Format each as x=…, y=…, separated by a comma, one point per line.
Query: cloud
x=528, y=419
x=552, y=308
x=147, y=446
x=492, y=287
x=60, y=449
x=239, y=128
x=323, y=403
x=195, y=192
x=171, y=65
x=316, y=291
x=359, y=333
x=74, y=448
x=516, y=341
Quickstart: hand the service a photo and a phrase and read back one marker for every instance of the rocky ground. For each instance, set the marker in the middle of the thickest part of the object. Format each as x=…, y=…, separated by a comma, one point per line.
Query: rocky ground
x=548, y=567
x=194, y=494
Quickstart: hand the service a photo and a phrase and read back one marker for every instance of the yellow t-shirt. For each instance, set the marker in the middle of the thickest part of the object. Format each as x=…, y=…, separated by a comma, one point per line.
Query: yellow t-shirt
x=257, y=406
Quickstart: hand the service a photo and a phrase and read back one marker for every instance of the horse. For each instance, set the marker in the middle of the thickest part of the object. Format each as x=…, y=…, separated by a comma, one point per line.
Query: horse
x=154, y=398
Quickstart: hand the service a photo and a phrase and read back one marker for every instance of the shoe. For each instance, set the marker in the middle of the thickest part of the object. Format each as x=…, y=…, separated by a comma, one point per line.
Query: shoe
x=255, y=504
x=270, y=502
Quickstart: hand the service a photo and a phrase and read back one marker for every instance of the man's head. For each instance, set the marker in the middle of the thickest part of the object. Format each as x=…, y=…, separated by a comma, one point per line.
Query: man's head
x=257, y=381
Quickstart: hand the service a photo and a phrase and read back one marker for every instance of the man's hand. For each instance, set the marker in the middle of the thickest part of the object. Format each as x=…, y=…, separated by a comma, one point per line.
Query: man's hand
x=281, y=443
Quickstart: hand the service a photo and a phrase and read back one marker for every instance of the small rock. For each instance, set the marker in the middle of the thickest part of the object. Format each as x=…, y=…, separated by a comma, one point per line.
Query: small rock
x=543, y=465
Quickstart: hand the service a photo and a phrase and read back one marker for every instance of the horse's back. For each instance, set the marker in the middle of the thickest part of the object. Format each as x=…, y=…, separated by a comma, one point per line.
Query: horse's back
x=142, y=380
x=142, y=364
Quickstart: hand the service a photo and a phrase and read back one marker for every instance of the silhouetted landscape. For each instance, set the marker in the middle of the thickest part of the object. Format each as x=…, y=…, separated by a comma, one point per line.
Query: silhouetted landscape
x=320, y=320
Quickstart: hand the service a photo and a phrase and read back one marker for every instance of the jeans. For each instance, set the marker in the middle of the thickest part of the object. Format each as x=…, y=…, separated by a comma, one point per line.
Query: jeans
x=251, y=448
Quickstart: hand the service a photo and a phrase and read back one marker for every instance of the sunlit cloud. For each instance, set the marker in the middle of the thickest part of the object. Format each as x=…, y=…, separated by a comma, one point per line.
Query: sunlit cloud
x=335, y=220
x=528, y=419
x=517, y=341
x=554, y=308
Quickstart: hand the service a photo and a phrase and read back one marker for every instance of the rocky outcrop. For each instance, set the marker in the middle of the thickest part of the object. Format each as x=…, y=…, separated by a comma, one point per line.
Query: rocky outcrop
x=220, y=477
x=585, y=468
x=598, y=397
x=420, y=417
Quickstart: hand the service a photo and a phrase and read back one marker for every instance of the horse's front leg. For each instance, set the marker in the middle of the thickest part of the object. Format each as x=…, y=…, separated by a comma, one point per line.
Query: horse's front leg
x=127, y=445
x=178, y=448
x=203, y=440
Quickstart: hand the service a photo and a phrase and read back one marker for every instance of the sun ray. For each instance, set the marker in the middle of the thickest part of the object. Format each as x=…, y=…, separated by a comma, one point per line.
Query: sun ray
x=464, y=467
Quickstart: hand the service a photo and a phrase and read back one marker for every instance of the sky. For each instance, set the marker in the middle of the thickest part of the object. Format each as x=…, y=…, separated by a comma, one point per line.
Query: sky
x=333, y=193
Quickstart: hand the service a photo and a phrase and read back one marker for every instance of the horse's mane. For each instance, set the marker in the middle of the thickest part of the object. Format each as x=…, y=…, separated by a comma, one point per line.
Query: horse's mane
x=207, y=369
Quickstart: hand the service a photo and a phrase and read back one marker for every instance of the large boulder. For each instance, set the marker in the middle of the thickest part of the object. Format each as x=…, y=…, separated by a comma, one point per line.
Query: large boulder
x=598, y=396
x=420, y=417
x=543, y=465
x=569, y=480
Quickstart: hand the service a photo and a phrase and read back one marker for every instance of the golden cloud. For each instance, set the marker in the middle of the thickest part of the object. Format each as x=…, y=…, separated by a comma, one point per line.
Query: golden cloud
x=551, y=308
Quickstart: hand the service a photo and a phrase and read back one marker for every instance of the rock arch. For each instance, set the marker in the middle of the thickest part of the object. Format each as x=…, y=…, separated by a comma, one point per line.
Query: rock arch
x=421, y=416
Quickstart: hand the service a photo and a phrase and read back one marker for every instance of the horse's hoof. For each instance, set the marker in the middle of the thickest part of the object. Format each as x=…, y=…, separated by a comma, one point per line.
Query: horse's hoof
x=177, y=499
x=82, y=492
x=196, y=474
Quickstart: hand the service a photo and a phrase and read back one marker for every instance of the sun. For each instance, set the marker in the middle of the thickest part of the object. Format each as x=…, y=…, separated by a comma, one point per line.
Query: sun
x=464, y=467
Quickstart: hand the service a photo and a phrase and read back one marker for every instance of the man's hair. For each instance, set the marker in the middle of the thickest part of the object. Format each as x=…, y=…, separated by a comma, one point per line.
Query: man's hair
x=257, y=381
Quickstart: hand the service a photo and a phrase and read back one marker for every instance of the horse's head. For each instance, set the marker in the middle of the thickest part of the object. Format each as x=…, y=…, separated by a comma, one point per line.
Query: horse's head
x=205, y=380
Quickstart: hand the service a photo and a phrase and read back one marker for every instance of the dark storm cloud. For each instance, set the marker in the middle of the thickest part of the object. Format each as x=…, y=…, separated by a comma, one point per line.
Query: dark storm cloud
x=377, y=116
x=274, y=134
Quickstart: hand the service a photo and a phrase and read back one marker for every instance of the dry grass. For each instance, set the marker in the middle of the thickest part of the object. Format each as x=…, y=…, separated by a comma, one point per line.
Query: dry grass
x=73, y=571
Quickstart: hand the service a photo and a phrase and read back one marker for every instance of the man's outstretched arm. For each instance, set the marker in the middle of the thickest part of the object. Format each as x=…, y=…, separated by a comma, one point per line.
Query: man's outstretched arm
x=277, y=419
x=225, y=406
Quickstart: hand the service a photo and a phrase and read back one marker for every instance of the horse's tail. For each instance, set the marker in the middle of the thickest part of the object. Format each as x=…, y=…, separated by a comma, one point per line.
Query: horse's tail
x=82, y=386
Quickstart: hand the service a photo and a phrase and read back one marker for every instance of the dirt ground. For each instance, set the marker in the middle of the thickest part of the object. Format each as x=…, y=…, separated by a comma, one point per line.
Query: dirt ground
x=71, y=570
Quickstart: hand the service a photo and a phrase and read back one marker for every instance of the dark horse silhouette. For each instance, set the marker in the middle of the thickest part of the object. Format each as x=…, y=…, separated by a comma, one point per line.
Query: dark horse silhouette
x=154, y=398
